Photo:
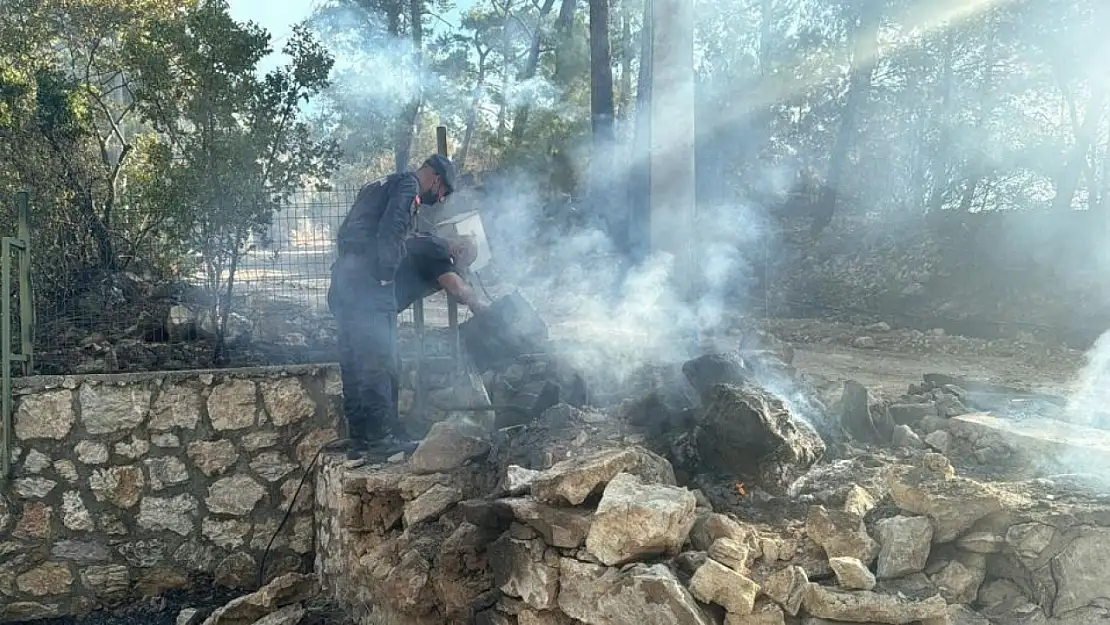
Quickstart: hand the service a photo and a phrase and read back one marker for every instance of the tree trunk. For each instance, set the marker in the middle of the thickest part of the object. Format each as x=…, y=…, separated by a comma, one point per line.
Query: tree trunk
x=639, y=197
x=520, y=117
x=564, y=26
x=944, y=143
x=624, y=95
x=601, y=77
x=765, y=17
x=472, y=116
x=859, y=88
x=406, y=124
x=1067, y=182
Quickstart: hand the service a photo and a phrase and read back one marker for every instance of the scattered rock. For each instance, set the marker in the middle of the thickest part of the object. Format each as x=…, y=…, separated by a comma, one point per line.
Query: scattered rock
x=750, y=434
x=634, y=520
x=565, y=528
x=841, y=534
x=909, y=414
x=938, y=440
x=646, y=594
x=431, y=504
x=904, y=436
x=851, y=574
x=518, y=480
x=730, y=553
x=448, y=446
x=716, y=583
x=787, y=588
x=957, y=583
x=765, y=613
x=52, y=578
x=953, y=504
x=518, y=574
x=573, y=481
x=709, y=527
x=905, y=545
x=863, y=606
x=286, y=590
x=855, y=412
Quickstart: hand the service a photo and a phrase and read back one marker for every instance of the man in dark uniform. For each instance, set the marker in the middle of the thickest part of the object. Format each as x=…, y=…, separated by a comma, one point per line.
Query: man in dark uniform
x=371, y=247
x=434, y=263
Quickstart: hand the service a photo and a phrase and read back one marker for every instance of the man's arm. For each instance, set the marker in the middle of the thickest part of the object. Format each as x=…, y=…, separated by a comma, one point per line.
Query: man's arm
x=394, y=226
x=457, y=287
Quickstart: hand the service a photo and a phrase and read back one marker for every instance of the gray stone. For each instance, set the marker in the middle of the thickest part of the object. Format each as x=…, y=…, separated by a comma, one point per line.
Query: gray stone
x=730, y=553
x=954, y=504
x=80, y=551
x=572, y=481
x=33, y=487
x=27, y=611
x=111, y=524
x=938, y=440
x=75, y=516
x=166, y=440
x=91, y=452
x=272, y=466
x=714, y=582
x=1080, y=570
x=120, y=486
x=66, y=470
x=981, y=542
x=195, y=556
x=5, y=514
x=213, y=457
x=51, y=578
x=635, y=520
x=518, y=574
x=958, y=583
x=565, y=528
x=47, y=415
x=304, y=497
x=188, y=616
x=905, y=545
x=289, y=615
x=253, y=441
x=904, y=436
x=175, y=407
x=106, y=409
x=35, y=462
x=787, y=588
x=239, y=570
x=841, y=534
x=647, y=594
x=851, y=574
x=304, y=531
x=518, y=480
x=448, y=446
x=107, y=581
x=230, y=534
x=237, y=495
x=862, y=606
x=287, y=401
x=143, y=553
x=134, y=449
x=1029, y=540
x=430, y=504
x=909, y=414
x=166, y=471
x=173, y=514
x=233, y=405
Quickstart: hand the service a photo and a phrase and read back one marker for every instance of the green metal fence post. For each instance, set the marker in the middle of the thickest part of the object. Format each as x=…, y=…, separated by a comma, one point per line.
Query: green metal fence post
x=21, y=243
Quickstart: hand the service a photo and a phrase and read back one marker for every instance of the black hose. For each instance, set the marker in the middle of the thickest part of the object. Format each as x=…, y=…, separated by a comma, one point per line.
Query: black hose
x=293, y=502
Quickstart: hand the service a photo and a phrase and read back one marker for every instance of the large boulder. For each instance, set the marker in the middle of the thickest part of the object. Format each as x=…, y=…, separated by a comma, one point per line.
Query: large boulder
x=748, y=433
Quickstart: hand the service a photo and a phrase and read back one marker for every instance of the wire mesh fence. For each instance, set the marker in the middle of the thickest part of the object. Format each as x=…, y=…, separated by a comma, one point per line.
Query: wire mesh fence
x=153, y=300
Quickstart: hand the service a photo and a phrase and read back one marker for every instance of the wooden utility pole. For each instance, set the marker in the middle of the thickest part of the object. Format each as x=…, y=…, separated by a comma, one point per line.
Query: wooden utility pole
x=671, y=143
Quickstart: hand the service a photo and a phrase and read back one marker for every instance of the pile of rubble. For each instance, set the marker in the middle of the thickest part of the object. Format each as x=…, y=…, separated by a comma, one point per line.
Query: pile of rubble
x=586, y=517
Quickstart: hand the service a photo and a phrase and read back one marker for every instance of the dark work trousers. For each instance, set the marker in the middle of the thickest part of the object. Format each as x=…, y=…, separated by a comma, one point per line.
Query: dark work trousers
x=366, y=314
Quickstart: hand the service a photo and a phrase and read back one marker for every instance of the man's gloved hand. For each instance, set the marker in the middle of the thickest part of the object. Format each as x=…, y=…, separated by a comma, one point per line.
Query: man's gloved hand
x=384, y=277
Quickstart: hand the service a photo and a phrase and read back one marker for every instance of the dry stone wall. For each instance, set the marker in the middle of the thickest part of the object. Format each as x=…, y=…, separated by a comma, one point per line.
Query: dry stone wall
x=128, y=485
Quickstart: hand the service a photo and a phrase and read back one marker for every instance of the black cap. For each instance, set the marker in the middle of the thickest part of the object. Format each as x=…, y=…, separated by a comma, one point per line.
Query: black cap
x=445, y=168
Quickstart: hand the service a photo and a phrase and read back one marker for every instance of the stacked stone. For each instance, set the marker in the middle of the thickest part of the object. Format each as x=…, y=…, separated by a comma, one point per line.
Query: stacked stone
x=129, y=485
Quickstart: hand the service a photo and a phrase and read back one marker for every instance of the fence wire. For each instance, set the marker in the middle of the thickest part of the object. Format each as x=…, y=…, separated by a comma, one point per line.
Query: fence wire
x=154, y=309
